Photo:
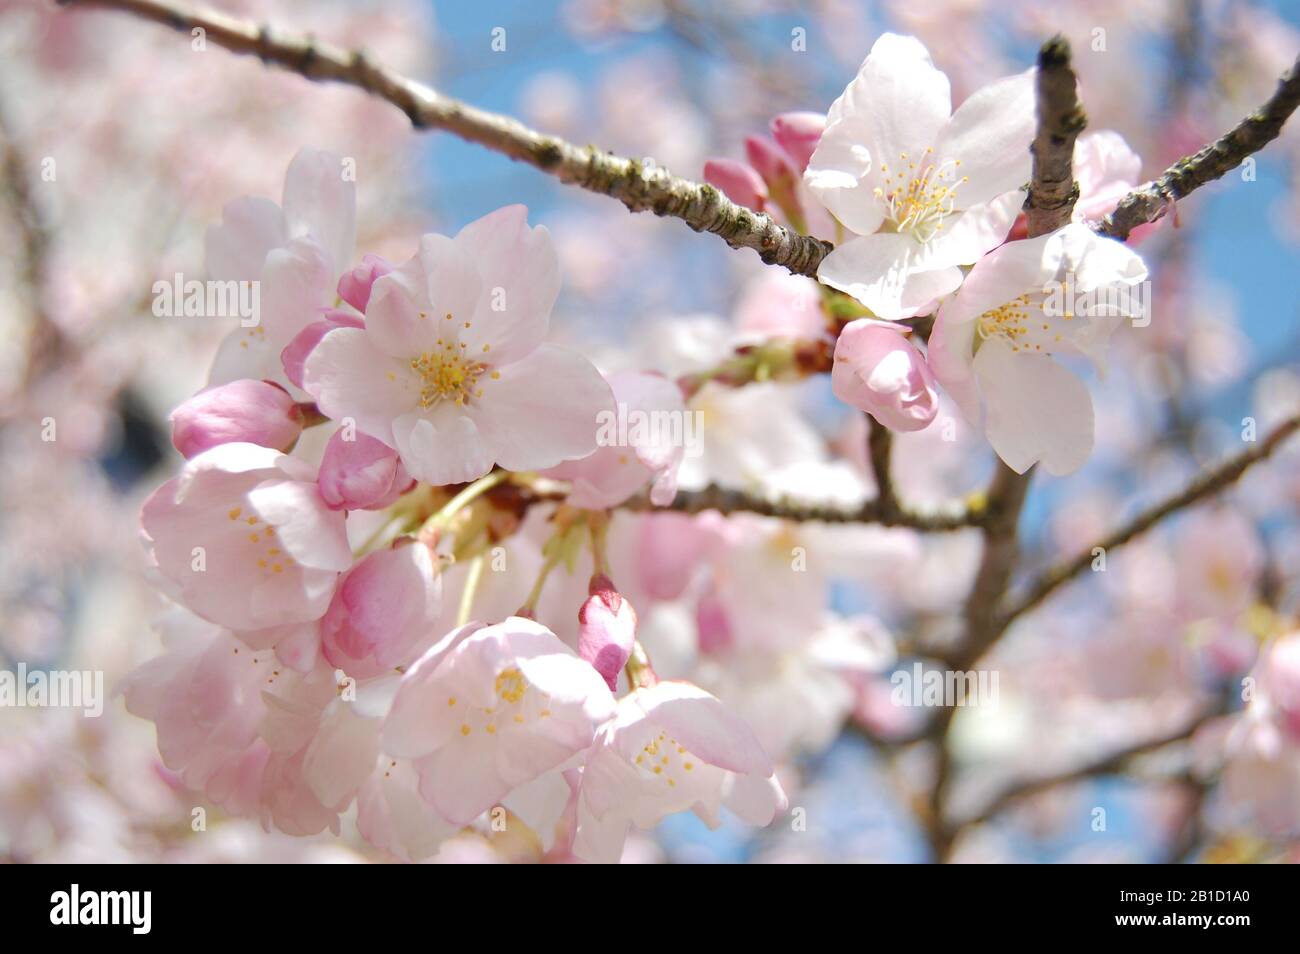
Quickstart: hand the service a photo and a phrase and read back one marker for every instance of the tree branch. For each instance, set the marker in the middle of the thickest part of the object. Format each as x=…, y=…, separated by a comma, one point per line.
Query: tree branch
x=880, y=453
x=727, y=501
x=641, y=186
x=1216, y=160
x=1053, y=191
x=1205, y=485
x=1106, y=765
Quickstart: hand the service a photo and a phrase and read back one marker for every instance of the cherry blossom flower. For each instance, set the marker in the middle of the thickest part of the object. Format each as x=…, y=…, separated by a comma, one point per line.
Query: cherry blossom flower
x=296, y=250
x=671, y=748
x=923, y=189
x=451, y=369
x=209, y=695
x=996, y=340
x=879, y=371
x=244, y=539
x=490, y=708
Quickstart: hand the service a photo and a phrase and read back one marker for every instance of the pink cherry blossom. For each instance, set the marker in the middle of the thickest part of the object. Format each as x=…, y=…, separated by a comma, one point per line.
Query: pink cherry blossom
x=253, y=412
x=879, y=371
x=995, y=340
x=490, y=708
x=924, y=189
x=671, y=748
x=361, y=473
x=243, y=538
x=451, y=368
x=383, y=610
x=296, y=251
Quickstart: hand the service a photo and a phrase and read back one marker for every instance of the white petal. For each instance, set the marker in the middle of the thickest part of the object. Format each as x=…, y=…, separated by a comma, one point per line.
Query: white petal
x=896, y=105
x=1038, y=410
x=949, y=352
x=990, y=135
x=441, y=446
x=543, y=410
x=520, y=274
x=408, y=310
x=1005, y=274
x=968, y=235
x=236, y=249
x=349, y=377
x=320, y=202
x=878, y=269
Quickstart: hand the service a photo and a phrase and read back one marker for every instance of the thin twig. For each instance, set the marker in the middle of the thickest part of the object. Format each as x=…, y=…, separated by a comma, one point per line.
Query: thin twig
x=727, y=501
x=639, y=185
x=1213, y=162
x=880, y=452
x=1205, y=485
x=1106, y=765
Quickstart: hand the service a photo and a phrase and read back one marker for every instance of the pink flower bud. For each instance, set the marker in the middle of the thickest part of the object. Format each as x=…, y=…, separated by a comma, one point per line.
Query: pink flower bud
x=738, y=182
x=798, y=134
x=294, y=355
x=879, y=371
x=360, y=474
x=254, y=412
x=354, y=286
x=383, y=612
x=607, y=629
x=770, y=162
x=713, y=626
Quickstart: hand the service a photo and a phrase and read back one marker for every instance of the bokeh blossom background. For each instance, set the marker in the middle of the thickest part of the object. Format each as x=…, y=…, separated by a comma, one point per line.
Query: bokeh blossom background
x=149, y=139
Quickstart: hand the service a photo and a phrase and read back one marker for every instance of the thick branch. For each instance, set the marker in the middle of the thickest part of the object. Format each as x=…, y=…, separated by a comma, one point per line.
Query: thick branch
x=1213, y=162
x=1205, y=485
x=641, y=186
x=1006, y=498
x=1053, y=191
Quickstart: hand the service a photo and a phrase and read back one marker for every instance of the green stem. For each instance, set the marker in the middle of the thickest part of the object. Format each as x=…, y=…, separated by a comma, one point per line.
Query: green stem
x=471, y=587
x=467, y=496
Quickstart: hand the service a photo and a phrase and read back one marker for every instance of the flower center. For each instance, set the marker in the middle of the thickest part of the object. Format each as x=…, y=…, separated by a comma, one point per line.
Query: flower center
x=266, y=549
x=1024, y=324
x=918, y=196
x=517, y=705
x=511, y=685
x=662, y=758
x=447, y=373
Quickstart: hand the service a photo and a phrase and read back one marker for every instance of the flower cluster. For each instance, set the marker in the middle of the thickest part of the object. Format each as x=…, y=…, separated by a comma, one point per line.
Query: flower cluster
x=309, y=669
x=926, y=206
